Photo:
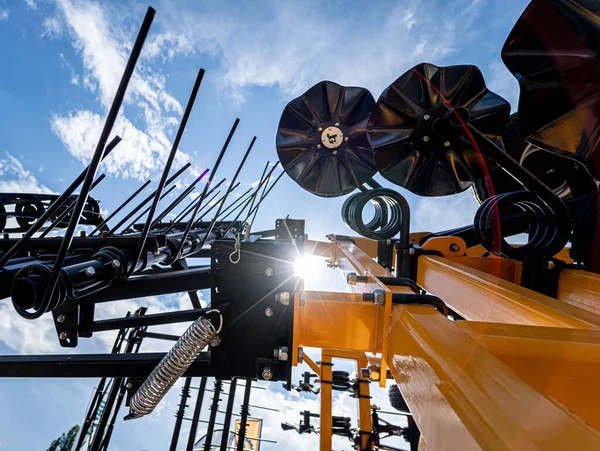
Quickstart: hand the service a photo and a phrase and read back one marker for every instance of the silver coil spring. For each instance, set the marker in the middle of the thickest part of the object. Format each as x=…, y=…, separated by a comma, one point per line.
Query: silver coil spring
x=187, y=348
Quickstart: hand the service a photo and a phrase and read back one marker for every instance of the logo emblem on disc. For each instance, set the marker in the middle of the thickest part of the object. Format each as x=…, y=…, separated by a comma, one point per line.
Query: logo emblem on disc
x=332, y=137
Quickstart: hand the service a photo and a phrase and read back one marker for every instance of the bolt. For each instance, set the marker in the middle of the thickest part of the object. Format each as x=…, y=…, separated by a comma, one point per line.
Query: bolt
x=268, y=312
x=576, y=166
x=300, y=355
x=426, y=117
x=115, y=264
x=302, y=298
x=283, y=298
x=365, y=373
x=337, y=124
x=447, y=144
x=425, y=138
x=454, y=247
x=61, y=318
x=335, y=152
x=411, y=251
x=378, y=297
x=388, y=241
x=63, y=335
x=346, y=139
x=352, y=278
x=550, y=265
x=128, y=386
x=82, y=233
x=318, y=146
x=282, y=353
x=320, y=129
x=90, y=271
x=267, y=374
x=269, y=271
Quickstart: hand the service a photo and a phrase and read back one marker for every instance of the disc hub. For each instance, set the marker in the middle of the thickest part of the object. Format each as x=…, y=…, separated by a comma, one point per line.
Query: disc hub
x=332, y=137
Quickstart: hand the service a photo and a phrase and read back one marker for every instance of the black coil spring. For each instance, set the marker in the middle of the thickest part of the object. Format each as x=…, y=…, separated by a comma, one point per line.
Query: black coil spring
x=390, y=213
x=548, y=232
x=28, y=290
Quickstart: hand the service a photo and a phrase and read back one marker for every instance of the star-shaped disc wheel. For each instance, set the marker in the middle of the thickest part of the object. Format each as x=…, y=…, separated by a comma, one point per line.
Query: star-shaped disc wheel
x=418, y=130
x=321, y=139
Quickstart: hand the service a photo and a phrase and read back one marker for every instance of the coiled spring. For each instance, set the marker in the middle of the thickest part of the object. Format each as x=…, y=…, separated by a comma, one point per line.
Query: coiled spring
x=548, y=231
x=391, y=213
x=200, y=334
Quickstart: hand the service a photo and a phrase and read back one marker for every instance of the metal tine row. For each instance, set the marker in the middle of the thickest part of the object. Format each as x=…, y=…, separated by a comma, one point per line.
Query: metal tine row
x=237, y=173
x=53, y=208
x=239, y=202
x=130, y=227
x=188, y=208
x=104, y=223
x=151, y=196
x=98, y=154
x=163, y=179
x=254, y=195
x=262, y=198
x=179, y=199
x=203, y=195
x=68, y=210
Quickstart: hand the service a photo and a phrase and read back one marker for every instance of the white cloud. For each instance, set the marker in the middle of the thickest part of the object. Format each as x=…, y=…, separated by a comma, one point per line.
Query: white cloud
x=14, y=178
x=31, y=4
x=4, y=13
x=298, y=44
x=104, y=48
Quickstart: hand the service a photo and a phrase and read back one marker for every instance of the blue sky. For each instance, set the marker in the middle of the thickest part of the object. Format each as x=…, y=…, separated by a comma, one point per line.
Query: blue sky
x=62, y=60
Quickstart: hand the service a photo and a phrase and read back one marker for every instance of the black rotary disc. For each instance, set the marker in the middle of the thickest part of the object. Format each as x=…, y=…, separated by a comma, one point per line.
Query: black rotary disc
x=321, y=139
x=418, y=128
x=554, y=53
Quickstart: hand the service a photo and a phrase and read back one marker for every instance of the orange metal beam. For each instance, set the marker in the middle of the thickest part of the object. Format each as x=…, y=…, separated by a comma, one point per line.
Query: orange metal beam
x=478, y=296
x=463, y=397
x=581, y=289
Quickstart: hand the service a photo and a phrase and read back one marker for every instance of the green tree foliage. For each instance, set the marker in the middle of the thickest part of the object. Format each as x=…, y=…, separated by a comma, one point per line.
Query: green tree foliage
x=66, y=441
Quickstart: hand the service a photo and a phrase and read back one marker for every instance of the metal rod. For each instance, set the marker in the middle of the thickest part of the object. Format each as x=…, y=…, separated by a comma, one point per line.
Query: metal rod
x=141, y=215
x=227, y=211
x=244, y=417
x=60, y=200
x=120, y=207
x=163, y=179
x=185, y=394
x=110, y=400
x=68, y=209
x=228, y=412
x=253, y=195
x=210, y=178
x=214, y=407
x=213, y=206
x=96, y=159
x=156, y=319
x=264, y=195
x=179, y=199
x=196, y=418
x=147, y=199
x=237, y=173
x=260, y=181
x=159, y=336
x=190, y=206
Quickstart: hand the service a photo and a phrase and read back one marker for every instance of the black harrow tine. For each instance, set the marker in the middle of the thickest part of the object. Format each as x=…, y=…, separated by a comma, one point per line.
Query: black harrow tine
x=243, y=207
x=190, y=206
x=260, y=181
x=67, y=210
x=227, y=211
x=179, y=199
x=141, y=215
x=212, y=207
x=255, y=211
x=53, y=207
x=260, y=185
x=146, y=200
x=261, y=199
x=96, y=159
x=203, y=196
x=237, y=173
x=163, y=179
x=120, y=207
